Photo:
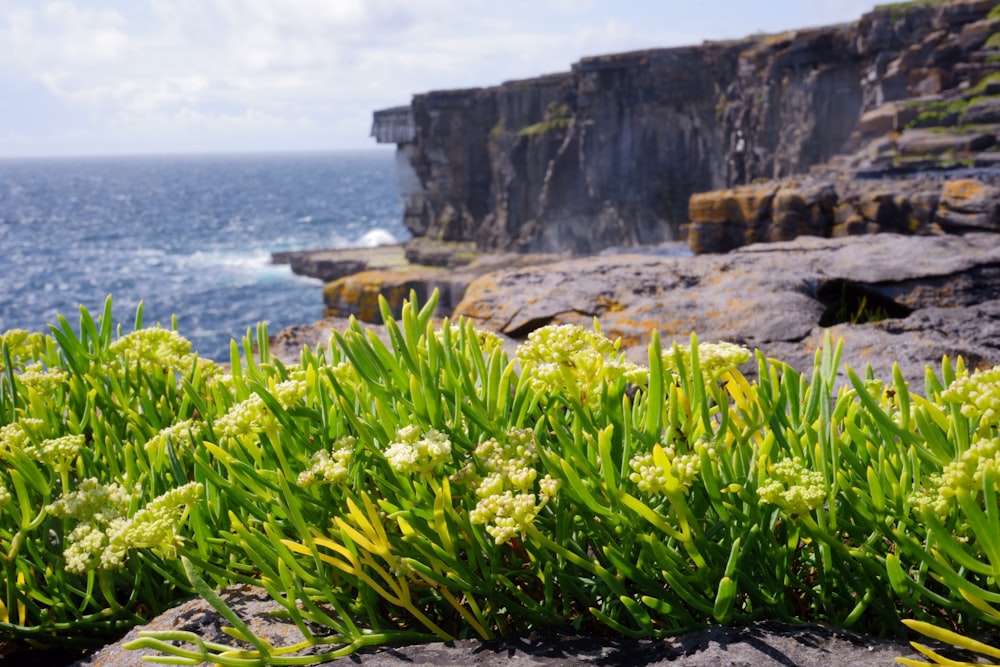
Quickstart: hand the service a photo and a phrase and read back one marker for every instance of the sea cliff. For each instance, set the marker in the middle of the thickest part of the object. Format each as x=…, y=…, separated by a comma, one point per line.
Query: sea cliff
x=610, y=152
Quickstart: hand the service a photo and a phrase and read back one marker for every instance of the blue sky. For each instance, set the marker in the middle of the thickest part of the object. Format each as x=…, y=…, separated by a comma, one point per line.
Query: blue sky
x=97, y=77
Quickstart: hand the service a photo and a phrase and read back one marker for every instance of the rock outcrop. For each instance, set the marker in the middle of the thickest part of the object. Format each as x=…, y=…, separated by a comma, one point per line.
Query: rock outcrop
x=931, y=203
x=912, y=299
x=610, y=152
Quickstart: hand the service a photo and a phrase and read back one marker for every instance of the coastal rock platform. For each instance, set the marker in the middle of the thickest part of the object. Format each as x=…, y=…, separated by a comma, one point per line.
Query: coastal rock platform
x=890, y=297
x=911, y=299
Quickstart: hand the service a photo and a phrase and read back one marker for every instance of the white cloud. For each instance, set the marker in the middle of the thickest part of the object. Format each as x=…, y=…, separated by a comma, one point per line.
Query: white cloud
x=279, y=68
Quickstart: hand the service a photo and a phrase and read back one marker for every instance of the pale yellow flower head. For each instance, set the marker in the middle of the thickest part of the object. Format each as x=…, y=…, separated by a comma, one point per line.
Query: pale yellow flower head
x=414, y=451
x=793, y=487
x=978, y=394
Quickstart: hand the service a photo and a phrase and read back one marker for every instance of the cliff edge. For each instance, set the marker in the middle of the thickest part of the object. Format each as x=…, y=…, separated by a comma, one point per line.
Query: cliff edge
x=609, y=153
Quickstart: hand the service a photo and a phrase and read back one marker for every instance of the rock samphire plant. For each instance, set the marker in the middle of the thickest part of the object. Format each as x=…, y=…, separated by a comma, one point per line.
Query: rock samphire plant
x=431, y=487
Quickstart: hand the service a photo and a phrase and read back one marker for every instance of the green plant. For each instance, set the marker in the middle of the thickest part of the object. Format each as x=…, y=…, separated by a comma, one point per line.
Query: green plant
x=898, y=10
x=432, y=487
x=96, y=465
x=557, y=117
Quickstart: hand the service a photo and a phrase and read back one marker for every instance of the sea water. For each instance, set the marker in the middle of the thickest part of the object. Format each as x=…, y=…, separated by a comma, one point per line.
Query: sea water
x=190, y=237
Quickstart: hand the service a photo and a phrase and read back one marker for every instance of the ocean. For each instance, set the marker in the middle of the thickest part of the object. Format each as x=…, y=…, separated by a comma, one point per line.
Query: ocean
x=188, y=236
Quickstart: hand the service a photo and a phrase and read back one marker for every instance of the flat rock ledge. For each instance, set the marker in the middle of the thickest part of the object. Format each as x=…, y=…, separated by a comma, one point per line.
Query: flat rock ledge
x=758, y=644
x=889, y=297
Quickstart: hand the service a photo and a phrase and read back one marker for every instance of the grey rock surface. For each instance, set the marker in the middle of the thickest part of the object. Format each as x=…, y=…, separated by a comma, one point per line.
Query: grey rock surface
x=937, y=295
x=760, y=644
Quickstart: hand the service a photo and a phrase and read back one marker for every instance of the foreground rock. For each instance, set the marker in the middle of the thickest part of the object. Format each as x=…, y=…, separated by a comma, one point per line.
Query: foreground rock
x=762, y=644
x=892, y=297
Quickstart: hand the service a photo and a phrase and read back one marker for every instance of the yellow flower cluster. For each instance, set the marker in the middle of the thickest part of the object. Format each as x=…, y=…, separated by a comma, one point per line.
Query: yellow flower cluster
x=104, y=535
x=665, y=470
x=714, y=359
x=507, y=504
x=329, y=465
x=289, y=393
x=43, y=380
x=57, y=453
x=159, y=348
x=178, y=434
x=966, y=473
x=247, y=417
x=17, y=435
x=24, y=346
x=416, y=452
x=93, y=500
x=570, y=360
x=978, y=394
x=793, y=487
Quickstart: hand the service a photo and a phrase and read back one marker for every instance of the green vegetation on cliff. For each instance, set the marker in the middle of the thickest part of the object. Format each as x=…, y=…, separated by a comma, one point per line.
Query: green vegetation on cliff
x=433, y=487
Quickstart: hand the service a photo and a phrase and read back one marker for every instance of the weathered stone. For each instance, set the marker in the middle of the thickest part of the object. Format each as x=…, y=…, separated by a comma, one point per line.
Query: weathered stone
x=429, y=252
x=358, y=294
x=918, y=142
x=800, y=210
x=726, y=219
x=761, y=295
x=919, y=340
x=844, y=207
x=969, y=204
x=762, y=644
x=253, y=605
x=982, y=111
x=889, y=117
x=334, y=263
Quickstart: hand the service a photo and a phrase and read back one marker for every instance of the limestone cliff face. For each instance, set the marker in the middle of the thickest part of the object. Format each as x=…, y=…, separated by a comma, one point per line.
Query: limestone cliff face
x=609, y=153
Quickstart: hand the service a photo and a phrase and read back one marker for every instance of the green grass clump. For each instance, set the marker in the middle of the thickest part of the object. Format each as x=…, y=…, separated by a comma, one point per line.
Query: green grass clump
x=432, y=487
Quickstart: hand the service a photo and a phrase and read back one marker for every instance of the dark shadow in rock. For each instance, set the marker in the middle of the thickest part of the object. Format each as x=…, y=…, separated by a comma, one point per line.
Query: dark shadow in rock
x=848, y=302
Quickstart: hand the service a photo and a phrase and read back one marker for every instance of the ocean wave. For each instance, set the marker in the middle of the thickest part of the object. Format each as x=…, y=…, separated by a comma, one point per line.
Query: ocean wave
x=227, y=264
x=376, y=237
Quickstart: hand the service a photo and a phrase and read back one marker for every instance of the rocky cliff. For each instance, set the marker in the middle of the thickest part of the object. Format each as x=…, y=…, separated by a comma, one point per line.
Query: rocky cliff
x=610, y=153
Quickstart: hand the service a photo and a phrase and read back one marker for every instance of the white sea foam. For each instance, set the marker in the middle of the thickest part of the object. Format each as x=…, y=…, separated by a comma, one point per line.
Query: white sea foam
x=376, y=237
x=254, y=264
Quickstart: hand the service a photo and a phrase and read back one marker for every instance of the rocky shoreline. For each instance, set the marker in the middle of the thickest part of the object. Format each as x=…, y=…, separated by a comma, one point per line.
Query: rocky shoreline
x=891, y=297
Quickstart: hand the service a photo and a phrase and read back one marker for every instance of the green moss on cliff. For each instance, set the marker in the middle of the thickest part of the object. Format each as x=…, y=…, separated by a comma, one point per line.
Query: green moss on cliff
x=900, y=9
x=557, y=117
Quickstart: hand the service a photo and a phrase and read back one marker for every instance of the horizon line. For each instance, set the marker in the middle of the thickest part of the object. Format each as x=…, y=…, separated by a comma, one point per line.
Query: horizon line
x=195, y=154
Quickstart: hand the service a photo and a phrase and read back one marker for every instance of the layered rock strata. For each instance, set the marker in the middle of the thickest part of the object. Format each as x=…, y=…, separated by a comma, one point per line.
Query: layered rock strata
x=610, y=152
x=952, y=202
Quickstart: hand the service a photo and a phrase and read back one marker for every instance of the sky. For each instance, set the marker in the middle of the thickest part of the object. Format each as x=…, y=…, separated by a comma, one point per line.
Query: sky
x=120, y=77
